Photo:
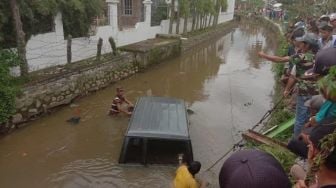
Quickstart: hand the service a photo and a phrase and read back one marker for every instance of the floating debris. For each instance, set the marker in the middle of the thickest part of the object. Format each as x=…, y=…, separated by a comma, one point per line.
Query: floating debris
x=74, y=120
x=190, y=112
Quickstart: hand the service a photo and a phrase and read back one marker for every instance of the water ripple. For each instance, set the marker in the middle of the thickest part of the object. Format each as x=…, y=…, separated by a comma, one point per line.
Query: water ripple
x=101, y=172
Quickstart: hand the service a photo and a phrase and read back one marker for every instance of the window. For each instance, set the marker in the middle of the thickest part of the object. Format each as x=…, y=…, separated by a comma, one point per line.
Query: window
x=154, y=151
x=128, y=7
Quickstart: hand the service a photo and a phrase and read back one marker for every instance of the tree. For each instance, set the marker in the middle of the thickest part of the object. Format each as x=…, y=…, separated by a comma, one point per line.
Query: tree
x=172, y=15
x=37, y=17
x=208, y=9
x=20, y=38
x=7, y=87
x=185, y=11
x=312, y=7
x=78, y=14
x=178, y=19
x=199, y=13
x=194, y=15
x=219, y=4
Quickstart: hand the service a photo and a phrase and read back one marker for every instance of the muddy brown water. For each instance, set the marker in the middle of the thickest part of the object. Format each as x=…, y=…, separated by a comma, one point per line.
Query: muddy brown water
x=222, y=81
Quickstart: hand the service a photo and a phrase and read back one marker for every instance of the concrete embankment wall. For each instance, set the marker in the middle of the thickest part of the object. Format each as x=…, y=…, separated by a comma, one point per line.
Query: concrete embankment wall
x=198, y=38
x=42, y=97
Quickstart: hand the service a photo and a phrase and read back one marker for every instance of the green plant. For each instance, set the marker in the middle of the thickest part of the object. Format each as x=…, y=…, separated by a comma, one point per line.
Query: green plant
x=8, y=89
x=285, y=157
x=285, y=136
x=159, y=12
x=78, y=15
x=327, y=147
x=327, y=85
x=37, y=17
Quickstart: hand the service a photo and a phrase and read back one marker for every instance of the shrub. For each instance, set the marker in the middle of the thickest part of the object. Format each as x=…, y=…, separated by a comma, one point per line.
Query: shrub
x=8, y=89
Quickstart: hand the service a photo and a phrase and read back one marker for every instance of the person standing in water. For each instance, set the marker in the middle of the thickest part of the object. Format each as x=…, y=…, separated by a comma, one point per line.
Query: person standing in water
x=185, y=174
x=118, y=101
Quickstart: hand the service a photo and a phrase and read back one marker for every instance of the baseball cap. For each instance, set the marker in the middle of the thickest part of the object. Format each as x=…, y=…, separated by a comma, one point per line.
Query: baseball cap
x=252, y=169
x=315, y=102
x=325, y=26
x=308, y=38
x=324, y=60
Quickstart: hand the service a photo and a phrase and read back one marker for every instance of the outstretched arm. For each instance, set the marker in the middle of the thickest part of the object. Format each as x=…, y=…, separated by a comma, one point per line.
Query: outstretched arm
x=276, y=59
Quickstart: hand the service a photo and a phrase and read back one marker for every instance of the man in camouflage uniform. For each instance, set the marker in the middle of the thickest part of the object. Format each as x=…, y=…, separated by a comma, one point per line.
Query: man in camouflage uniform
x=300, y=63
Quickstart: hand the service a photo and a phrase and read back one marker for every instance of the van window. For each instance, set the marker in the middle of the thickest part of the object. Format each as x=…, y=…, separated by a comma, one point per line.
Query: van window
x=158, y=151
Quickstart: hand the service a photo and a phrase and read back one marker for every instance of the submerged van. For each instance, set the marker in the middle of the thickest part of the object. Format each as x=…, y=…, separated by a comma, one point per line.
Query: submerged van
x=157, y=132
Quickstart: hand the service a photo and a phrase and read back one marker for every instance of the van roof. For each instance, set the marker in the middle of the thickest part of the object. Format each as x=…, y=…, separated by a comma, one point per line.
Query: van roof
x=159, y=117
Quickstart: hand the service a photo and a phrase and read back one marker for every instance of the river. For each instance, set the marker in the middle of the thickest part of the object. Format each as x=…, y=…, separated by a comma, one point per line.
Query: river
x=223, y=81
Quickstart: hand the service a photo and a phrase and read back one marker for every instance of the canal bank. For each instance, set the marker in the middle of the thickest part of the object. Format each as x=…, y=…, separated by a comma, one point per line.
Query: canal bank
x=281, y=113
x=54, y=87
x=222, y=81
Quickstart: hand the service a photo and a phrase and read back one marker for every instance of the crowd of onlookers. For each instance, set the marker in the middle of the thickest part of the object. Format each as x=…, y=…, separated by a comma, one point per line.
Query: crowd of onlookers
x=309, y=79
x=276, y=14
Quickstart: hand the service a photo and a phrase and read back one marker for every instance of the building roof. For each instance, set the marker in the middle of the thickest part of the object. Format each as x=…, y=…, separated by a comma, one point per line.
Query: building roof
x=159, y=117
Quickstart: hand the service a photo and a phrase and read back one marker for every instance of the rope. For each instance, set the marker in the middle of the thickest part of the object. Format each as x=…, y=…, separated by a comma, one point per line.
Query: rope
x=239, y=143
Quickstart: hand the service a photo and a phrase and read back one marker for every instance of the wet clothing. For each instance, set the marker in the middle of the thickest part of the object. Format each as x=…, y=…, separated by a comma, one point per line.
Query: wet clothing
x=118, y=100
x=121, y=98
x=184, y=179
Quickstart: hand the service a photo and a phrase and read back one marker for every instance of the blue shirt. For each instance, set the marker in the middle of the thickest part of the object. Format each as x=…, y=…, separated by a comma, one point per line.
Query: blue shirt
x=327, y=110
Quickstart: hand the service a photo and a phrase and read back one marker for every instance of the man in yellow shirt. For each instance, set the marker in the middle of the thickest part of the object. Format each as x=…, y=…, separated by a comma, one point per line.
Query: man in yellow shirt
x=185, y=176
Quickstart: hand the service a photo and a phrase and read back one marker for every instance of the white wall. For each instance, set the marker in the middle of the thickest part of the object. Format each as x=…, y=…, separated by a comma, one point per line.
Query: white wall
x=228, y=15
x=49, y=49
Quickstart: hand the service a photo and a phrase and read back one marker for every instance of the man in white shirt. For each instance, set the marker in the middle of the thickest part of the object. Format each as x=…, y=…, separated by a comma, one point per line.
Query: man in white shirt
x=327, y=39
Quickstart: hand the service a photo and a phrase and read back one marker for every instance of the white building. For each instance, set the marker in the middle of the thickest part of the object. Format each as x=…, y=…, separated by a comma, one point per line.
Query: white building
x=49, y=49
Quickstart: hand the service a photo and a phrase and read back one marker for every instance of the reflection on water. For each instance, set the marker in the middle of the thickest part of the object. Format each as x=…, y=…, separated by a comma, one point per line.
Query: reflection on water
x=222, y=81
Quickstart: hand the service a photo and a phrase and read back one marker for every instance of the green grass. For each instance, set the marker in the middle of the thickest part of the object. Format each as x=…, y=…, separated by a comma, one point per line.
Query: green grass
x=284, y=136
x=281, y=114
x=285, y=157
